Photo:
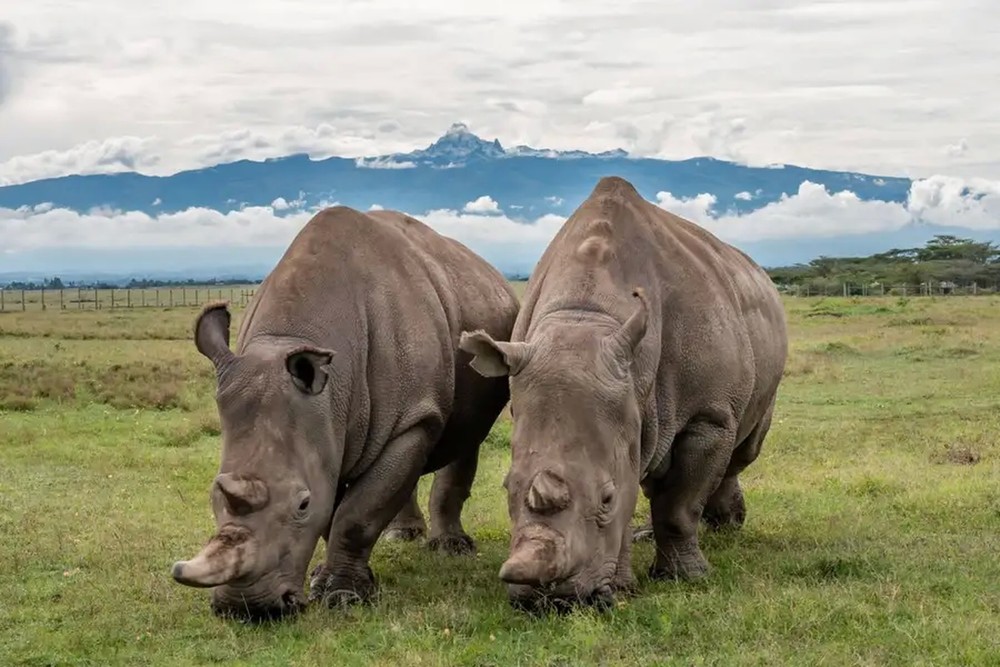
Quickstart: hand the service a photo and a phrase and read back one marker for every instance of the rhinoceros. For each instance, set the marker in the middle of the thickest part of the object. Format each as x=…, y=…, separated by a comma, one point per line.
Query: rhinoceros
x=647, y=353
x=345, y=386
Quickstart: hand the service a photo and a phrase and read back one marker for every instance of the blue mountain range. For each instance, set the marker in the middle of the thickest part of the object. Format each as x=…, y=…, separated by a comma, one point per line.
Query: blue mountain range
x=456, y=169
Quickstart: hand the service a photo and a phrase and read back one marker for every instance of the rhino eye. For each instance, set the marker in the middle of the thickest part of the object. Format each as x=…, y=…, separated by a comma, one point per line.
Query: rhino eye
x=304, y=505
x=608, y=495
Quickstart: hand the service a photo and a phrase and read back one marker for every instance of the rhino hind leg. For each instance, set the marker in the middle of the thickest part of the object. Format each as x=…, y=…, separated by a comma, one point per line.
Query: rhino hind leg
x=452, y=487
x=726, y=508
x=408, y=525
x=699, y=459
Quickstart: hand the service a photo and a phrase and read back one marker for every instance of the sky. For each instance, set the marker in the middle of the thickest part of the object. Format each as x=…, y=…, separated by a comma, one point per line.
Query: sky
x=880, y=86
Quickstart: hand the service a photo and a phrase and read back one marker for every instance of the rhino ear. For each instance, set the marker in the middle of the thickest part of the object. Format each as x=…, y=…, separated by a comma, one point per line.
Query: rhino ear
x=492, y=358
x=622, y=344
x=309, y=368
x=211, y=333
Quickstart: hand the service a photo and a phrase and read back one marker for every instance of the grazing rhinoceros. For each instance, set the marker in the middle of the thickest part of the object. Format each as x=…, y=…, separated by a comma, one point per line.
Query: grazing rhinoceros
x=345, y=386
x=646, y=352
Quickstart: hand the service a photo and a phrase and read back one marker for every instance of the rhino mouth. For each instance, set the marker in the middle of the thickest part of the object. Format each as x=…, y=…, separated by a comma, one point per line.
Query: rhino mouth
x=559, y=598
x=237, y=606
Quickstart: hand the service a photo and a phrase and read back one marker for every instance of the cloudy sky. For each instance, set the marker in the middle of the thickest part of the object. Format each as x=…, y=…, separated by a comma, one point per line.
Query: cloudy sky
x=884, y=86
x=881, y=86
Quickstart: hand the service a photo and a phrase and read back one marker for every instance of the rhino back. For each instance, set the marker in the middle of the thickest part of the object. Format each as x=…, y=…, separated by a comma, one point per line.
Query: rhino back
x=391, y=297
x=716, y=338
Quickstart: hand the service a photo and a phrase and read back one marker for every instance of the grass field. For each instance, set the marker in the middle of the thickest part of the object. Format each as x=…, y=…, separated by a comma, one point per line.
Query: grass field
x=873, y=532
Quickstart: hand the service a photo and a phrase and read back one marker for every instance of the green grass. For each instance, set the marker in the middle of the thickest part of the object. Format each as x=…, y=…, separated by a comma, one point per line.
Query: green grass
x=872, y=537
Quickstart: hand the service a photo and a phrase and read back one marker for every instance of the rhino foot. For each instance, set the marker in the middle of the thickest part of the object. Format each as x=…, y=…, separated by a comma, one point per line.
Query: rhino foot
x=685, y=563
x=453, y=544
x=405, y=534
x=726, y=508
x=341, y=589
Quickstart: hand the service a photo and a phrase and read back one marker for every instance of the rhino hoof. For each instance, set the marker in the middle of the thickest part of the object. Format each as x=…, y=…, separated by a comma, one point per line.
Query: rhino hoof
x=339, y=590
x=454, y=545
x=403, y=534
x=686, y=570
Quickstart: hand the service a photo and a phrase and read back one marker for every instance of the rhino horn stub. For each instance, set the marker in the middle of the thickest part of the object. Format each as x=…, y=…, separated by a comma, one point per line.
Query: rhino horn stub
x=243, y=494
x=227, y=556
x=548, y=493
x=534, y=562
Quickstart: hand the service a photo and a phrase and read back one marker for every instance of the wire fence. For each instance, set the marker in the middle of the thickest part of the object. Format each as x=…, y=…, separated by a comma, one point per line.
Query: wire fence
x=78, y=298
x=930, y=288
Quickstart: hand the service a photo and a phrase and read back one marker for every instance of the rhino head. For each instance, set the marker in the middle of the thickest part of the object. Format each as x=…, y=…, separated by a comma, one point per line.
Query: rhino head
x=274, y=495
x=574, y=477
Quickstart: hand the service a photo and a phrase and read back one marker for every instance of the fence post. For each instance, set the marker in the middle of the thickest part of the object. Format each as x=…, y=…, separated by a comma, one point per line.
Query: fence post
x=112, y=298
x=184, y=296
x=1, y=301
x=62, y=301
x=43, y=298
x=79, y=298
x=24, y=306
x=143, y=293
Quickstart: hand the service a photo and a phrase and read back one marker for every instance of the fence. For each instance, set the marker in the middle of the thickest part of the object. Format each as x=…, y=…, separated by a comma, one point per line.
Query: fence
x=75, y=298
x=815, y=289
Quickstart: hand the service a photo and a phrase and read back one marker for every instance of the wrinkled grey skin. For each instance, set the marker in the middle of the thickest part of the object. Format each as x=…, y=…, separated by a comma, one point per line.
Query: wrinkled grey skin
x=346, y=385
x=646, y=353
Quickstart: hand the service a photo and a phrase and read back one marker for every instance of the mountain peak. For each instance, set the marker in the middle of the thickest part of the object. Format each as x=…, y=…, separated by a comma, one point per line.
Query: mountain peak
x=458, y=145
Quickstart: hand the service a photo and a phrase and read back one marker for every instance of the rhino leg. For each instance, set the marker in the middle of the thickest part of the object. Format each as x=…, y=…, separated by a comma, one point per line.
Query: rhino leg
x=408, y=525
x=452, y=487
x=624, y=581
x=726, y=507
x=366, y=509
x=699, y=458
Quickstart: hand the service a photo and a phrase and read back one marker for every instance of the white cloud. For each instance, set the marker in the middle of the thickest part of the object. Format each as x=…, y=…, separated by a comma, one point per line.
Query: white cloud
x=157, y=201
x=744, y=196
x=279, y=204
x=228, y=80
x=959, y=149
x=697, y=208
x=618, y=96
x=484, y=204
x=376, y=207
x=383, y=163
x=941, y=199
x=555, y=201
x=91, y=157
x=812, y=212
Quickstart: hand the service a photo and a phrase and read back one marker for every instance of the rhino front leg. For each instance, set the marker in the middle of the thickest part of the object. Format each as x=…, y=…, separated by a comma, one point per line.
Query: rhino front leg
x=699, y=458
x=408, y=525
x=452, y=487
x=368, y=506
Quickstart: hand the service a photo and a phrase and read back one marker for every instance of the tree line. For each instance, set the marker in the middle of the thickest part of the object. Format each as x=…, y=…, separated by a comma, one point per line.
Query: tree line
x=943, y=259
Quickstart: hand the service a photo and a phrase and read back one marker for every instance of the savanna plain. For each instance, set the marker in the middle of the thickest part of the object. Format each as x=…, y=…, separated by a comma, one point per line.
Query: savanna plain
x=872, y=537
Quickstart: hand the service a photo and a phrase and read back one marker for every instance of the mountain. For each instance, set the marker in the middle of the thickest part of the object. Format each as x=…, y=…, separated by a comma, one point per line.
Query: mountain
x=456, y=169
x=459, y=171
